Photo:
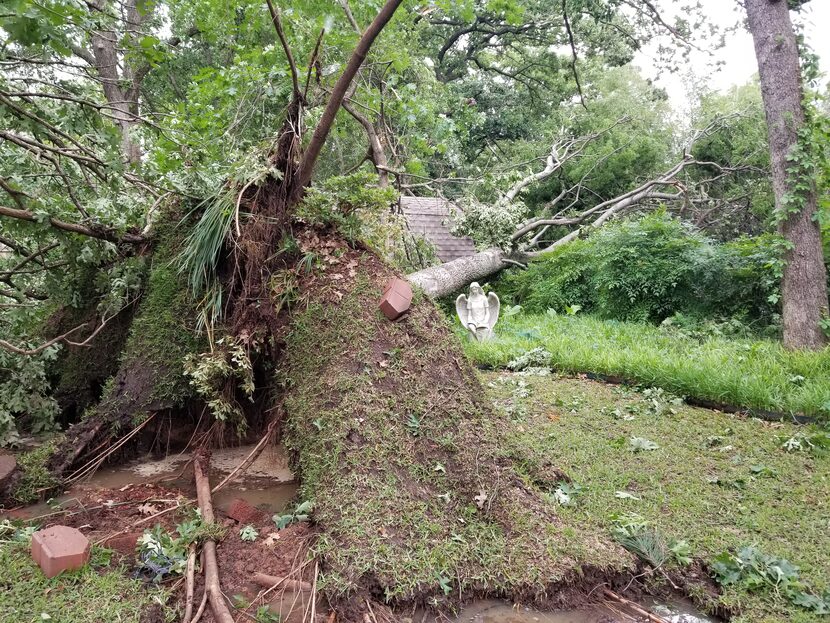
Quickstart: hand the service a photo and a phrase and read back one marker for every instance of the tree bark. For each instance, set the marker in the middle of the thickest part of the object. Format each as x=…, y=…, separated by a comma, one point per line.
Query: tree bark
x=444, y=279
x=804, y=284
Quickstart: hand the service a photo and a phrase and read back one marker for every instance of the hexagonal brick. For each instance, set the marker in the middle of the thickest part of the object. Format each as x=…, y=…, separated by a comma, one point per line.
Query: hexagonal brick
x=240, y=510
x=397, y=297
x=59, y=548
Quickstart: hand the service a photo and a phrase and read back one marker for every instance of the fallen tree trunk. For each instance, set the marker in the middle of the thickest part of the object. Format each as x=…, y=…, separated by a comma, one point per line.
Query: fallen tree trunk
x=437, y=281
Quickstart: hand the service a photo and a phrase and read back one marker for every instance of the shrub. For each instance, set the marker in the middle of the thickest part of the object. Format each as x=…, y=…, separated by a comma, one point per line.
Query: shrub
x=650, y=268
x=645, y=269
x=562, y=278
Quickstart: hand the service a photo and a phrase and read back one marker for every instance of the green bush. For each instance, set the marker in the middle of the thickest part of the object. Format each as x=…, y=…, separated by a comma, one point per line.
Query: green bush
x=650, y=268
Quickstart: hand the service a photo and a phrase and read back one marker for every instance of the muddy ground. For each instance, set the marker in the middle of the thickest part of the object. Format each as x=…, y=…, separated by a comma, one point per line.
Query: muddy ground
x=116, y=518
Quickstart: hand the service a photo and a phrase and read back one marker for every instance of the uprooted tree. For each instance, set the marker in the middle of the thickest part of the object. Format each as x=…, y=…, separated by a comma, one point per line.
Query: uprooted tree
x=290, y=328
x=228, y=309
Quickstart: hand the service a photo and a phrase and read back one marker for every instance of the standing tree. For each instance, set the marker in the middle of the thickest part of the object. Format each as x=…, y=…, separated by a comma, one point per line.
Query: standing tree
x=804, y=287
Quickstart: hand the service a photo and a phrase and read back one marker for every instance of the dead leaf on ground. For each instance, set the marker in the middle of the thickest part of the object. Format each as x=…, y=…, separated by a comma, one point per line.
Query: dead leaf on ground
x=147, y=509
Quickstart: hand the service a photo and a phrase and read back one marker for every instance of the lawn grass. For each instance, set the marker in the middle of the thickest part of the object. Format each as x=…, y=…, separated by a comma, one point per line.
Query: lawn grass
x=719, y=481
x=88, y=595
x=757, y=374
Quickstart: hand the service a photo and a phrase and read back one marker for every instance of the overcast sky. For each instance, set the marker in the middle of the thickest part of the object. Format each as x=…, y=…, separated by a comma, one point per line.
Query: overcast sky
x=738, y=54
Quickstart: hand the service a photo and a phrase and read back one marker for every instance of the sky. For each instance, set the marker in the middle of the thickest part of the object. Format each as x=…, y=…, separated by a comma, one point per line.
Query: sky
x=739, y=53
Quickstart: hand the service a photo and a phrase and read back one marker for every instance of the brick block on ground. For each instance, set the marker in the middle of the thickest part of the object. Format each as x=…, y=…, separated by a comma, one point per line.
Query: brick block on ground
x=397, y=297
x=241, y=511
x=59, y=548
x=124, y=543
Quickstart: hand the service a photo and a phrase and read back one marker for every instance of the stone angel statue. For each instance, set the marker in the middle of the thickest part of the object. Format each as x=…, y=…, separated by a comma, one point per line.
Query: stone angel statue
x=478, y=313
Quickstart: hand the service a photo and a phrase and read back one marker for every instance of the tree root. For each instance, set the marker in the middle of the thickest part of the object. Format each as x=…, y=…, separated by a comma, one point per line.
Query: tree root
x=189, y=582
x=252, y=456
x=272, y=581
x=648, y=616
x=213, y=588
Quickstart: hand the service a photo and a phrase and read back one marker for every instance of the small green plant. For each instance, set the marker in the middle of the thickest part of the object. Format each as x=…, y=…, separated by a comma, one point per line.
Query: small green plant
x=817, y=443
x=413, y=424
x=248, y=533
x=162, y=554
x=635, y=534
x=754, y=570
x=660, y=401
x=641, y=444
x=214, y=376
x=300, y=514
x=565, y=493
x=10, y=532
x=264, y=614
x=534, y=358
x=444, y=583
x=511, y=311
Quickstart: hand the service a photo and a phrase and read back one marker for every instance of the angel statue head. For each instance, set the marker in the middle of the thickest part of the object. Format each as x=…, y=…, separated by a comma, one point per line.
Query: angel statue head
x=478, y=313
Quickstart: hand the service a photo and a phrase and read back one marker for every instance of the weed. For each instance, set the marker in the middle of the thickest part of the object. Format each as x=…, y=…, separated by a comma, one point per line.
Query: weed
x=413, y=424
x=755, y=571
x=300, y=514
x=248, y=533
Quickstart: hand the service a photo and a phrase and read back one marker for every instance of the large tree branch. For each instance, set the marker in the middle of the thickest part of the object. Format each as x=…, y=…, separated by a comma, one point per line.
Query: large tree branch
x=376, y=152
x=275, y=19
x=101, y=234
x=321, y=132
x=561, y=151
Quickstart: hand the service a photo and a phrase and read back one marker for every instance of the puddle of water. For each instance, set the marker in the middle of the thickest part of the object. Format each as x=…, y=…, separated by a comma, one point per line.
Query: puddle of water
x=677, y=611
x=495, y=611
x=267, y=484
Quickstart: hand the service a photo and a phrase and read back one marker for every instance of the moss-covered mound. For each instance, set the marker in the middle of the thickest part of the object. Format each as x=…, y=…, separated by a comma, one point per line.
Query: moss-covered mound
x=400, y=452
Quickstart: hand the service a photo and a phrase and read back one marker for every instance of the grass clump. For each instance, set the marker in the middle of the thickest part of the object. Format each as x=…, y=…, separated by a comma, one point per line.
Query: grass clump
x=35, y=475
x=717, y=483
x=88, y=595
x=744, y=373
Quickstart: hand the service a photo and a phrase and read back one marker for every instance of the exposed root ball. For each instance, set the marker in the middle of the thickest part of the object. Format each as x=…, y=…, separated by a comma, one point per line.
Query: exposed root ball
x=400, y=452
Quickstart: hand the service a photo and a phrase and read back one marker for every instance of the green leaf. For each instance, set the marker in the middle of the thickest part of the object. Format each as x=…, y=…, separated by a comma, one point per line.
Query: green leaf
x=638, y=444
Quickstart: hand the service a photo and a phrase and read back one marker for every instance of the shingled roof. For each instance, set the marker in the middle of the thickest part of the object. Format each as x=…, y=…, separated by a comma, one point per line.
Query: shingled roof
x=430, y=218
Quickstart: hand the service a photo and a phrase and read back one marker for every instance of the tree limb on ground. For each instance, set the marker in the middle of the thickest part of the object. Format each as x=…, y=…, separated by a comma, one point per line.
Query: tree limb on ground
x=213, y=588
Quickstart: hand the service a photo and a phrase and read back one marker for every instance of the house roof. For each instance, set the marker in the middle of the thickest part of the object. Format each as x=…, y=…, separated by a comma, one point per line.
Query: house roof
x=430, y=218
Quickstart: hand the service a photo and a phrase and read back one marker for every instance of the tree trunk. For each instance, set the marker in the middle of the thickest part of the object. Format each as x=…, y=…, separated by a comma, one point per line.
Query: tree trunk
x=804, y=285
x=437, y=281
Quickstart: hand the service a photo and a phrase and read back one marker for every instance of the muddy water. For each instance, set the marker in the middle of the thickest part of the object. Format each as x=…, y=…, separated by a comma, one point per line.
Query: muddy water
x=267, y=484
x=494, y=611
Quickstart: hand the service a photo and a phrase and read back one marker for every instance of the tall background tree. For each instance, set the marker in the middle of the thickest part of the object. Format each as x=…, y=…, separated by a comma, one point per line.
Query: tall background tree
x=804, y=284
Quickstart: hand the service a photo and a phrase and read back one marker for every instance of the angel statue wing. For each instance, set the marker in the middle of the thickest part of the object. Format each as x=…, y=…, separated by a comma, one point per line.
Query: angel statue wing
x=495, y=306
x=461, y=309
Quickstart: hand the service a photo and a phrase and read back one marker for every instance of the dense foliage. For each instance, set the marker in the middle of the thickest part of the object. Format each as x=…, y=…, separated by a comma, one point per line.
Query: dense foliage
x=652, y=267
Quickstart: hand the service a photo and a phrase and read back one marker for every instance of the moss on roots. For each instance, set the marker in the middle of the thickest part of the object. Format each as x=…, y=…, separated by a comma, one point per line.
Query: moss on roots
x=162, y=334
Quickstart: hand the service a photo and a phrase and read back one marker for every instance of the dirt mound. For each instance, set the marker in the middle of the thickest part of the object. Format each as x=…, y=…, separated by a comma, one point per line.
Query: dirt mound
x=414, y=496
